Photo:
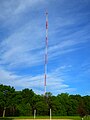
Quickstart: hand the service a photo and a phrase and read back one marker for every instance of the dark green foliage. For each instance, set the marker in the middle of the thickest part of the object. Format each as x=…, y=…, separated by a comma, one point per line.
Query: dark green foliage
x=23, y=103
x=86, y=100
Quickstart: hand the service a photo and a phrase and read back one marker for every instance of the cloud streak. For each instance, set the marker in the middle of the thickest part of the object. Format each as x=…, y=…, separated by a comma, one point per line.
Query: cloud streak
x=35, y=82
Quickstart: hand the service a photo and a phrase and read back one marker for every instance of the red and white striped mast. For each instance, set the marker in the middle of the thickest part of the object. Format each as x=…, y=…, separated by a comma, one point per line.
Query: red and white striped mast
x=46, y=54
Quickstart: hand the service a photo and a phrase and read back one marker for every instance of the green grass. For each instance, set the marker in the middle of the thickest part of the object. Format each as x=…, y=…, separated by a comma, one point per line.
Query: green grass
x=67, y=117
x=45, y=117
x=42, y=117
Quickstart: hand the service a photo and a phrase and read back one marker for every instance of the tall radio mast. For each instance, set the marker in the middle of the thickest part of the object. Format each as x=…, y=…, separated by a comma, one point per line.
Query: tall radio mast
x=46, y=54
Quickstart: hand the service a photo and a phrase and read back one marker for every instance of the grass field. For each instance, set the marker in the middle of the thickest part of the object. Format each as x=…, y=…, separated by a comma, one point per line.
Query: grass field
x=45, y=117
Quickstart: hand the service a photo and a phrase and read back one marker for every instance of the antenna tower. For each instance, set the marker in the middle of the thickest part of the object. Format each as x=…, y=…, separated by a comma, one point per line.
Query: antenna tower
x=46, y=54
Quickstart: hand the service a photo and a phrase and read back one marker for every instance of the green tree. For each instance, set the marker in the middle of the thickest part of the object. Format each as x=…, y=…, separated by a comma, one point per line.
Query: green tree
x=18, y=103
x=6, y=93
x=64, y=101
x=41, y=108
x=86, y=100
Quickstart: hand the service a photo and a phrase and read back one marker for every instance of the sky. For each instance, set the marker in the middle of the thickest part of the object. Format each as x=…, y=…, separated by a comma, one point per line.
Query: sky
x=22, y=45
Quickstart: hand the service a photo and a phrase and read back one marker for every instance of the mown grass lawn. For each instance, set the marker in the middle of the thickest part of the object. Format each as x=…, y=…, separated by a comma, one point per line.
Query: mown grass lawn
x=45, y=117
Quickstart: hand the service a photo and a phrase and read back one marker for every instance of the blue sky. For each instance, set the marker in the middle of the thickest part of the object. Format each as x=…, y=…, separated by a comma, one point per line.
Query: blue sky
x=22, y=45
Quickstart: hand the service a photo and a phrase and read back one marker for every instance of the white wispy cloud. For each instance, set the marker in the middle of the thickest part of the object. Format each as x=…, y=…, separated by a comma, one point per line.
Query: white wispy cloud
x=12, y=8
x=24, y=5
x=20, y=52
x=18, y=48
x=35, y=82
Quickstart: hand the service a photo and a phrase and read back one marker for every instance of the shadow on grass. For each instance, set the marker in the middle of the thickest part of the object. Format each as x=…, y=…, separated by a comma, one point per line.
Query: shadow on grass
x=6, y=118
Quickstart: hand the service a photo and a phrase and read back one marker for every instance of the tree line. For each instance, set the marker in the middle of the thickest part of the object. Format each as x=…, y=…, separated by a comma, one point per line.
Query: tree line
x=23, y=103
